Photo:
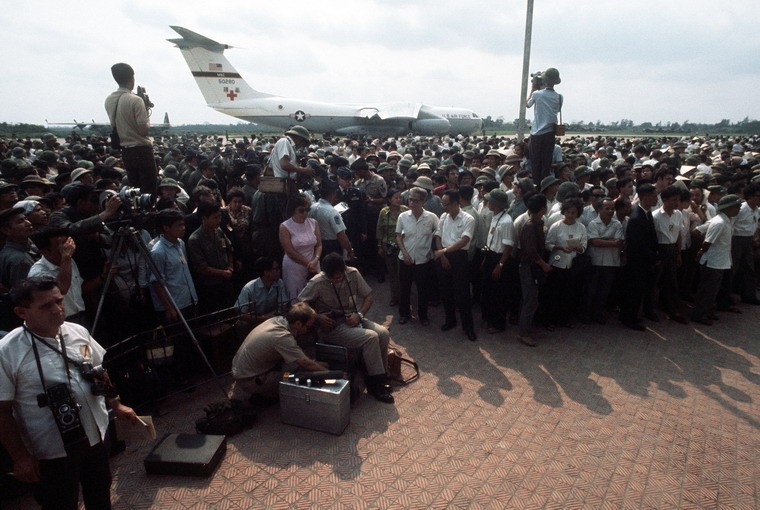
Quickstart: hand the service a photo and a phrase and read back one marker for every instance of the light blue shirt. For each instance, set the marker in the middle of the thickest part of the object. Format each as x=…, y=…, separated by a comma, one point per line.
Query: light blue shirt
x=255, y=297
x=171, y=261
x=329, y=220
x=547, y=103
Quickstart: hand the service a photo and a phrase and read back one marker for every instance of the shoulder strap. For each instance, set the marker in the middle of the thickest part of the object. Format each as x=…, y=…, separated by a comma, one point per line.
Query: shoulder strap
x=115, y=110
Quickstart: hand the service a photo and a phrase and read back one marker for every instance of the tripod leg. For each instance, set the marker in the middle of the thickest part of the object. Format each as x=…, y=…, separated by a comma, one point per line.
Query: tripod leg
x=143, y=249
x=116, y=249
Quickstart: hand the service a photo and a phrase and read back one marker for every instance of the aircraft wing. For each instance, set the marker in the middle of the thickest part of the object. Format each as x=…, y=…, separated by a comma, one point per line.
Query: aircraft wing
x=400, y=111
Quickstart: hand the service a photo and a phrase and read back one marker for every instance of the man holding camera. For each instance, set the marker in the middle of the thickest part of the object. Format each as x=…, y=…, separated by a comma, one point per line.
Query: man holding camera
x=52, y=410
x=128, y=114
x=542, y=132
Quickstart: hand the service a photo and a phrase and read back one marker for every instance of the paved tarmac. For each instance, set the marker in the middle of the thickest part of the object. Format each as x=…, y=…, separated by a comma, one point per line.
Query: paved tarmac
x=594, y=417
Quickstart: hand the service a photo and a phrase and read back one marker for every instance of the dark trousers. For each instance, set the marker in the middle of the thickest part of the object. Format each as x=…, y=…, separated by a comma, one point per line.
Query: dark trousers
x=141, y=168
x=559, y=292
x=541, y=151
x=476, y=275
x=455, y=289
x=422, y=276
x=714, y=289
x=743, y=267
x=58, y=488
x=496, y=298
x=637, y=282
x=597, y=291
x=668, y=279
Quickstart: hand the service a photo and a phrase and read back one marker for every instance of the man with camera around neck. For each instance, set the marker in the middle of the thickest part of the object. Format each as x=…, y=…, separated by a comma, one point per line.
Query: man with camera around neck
x=52, y=410
x=128, y=114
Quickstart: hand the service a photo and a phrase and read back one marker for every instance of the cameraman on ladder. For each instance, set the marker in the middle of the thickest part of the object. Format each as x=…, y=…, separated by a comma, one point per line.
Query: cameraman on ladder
x=129, y=117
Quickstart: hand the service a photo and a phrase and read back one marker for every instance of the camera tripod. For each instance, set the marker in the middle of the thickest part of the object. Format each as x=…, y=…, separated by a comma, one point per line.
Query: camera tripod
x=128, y=236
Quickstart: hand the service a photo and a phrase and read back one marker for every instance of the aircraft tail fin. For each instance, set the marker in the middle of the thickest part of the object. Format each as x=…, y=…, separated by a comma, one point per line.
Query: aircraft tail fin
x=166, y=118
x=216, y=77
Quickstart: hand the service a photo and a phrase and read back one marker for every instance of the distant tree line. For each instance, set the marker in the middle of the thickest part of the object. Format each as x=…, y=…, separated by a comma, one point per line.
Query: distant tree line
x=725, y=126
x=746, y=126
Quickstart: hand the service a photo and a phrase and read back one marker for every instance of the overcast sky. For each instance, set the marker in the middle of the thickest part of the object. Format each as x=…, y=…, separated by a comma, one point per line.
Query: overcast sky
x=645, y=60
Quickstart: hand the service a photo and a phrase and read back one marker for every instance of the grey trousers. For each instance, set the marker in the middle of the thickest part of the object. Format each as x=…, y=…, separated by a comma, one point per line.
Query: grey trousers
x=371, y=338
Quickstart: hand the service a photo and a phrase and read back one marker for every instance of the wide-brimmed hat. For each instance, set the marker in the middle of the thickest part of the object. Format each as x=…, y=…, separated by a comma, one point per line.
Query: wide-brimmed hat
x=424, y=182
x=546, y=182
x=79, y=172
x=729, y=201
x=498, y=197
x=31, y=180
x=299, y=131
x=168, y=182
x=582, y=170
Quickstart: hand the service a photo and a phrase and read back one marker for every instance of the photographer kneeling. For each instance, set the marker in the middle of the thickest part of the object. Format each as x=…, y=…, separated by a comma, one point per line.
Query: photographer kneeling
x=52, y=408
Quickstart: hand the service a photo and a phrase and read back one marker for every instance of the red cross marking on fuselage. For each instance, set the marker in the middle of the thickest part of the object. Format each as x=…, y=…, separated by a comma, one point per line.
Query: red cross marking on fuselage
x=232, y=95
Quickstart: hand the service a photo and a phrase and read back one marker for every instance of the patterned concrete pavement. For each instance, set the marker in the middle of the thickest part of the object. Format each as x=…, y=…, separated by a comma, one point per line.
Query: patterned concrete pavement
x=594, y=417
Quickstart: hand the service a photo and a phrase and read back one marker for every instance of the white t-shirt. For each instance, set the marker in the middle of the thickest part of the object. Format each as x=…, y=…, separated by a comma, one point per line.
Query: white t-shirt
x=719, y=236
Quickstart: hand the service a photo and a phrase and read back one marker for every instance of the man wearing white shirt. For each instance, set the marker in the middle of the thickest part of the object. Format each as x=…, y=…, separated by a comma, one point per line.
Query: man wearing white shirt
x=498, y=265
x=414, y=236
x=667, y=225
x=605, y=242
x=283, y=158
x=57, y=250
x=744, y=229
x=715, y=263
x=452, y=238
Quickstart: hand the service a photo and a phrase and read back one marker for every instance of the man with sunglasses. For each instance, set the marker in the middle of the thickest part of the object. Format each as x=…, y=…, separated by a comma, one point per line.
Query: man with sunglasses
x=341, y=298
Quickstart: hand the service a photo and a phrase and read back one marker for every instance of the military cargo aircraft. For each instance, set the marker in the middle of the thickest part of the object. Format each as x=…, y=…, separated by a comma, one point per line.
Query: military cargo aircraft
x=227, y=92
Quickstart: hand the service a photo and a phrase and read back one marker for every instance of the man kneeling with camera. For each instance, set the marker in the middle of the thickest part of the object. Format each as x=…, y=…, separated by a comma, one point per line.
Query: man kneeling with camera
x=53, y=392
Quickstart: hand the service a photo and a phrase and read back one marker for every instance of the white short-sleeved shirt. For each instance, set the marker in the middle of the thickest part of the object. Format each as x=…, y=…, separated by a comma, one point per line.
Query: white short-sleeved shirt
x=285, y=146
x=452, y=230
x=667, y=226
x=20, y=383
x=73, y=303
x=608, y=257
x=417, y=234
x=719, y=236
x=562, y=234
x=745, y=223
x=501, y=233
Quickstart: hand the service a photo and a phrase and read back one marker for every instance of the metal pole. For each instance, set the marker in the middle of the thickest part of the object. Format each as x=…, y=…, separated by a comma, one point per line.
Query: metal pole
x=525, y=72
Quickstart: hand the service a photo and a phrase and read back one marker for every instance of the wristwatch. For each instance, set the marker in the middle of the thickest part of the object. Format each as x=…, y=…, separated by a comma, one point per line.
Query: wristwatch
x=361, y=315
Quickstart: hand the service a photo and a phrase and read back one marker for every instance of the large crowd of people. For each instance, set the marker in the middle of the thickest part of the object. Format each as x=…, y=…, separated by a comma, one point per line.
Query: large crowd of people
x=626, y=225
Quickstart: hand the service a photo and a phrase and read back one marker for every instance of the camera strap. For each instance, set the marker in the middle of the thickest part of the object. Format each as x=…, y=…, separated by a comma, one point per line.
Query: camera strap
x=62, y=352
x=350, y=295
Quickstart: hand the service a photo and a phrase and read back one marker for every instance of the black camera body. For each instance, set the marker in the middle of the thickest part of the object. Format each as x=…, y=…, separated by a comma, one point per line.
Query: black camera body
x=99, y=385
x=537, y=78
x=142, y=93
x=66, y=414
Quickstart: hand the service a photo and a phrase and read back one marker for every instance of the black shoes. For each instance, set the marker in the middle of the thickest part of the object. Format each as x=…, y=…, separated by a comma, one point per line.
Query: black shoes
x=448, y=326
x=403, y=320
x=471, y=336
x=378, y=387
x=636, y=326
